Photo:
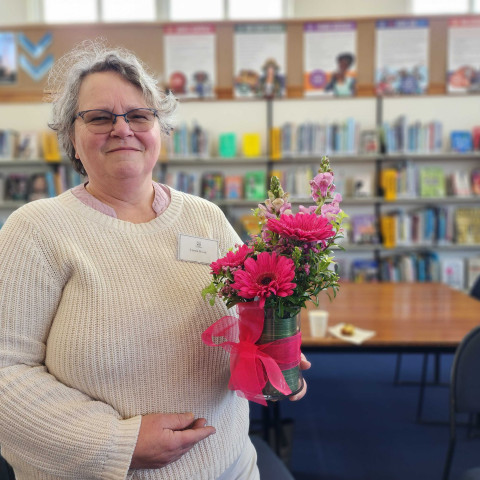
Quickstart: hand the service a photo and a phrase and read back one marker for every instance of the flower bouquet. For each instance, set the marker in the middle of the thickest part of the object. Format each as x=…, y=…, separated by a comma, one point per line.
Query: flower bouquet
x=269, y=279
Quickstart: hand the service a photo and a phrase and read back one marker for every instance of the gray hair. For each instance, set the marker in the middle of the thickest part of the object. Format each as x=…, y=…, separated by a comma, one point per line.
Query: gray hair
x=68, y=73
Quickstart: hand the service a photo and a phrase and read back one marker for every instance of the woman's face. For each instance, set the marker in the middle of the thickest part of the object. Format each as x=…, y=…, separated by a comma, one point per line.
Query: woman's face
x=121, y=153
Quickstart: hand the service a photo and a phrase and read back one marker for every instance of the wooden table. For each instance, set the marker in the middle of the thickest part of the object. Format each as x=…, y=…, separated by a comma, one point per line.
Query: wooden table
x=407, y=317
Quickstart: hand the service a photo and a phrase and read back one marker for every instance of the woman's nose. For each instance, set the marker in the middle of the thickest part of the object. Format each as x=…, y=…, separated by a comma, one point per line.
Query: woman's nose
x=121, y=128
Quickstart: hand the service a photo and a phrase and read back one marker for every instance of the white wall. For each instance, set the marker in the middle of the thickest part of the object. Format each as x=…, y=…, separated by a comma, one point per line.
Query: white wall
x=16, y=12
x=352, y=8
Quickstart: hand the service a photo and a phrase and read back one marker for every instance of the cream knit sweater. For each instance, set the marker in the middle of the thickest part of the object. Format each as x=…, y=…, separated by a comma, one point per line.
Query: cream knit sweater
x=99, y=324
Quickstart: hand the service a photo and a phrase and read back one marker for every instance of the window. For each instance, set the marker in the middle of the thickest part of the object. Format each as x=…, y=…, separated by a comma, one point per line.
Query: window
x=128, y=10
x=255, y=9
x=432, y=7
x=73, y=11
x=225, y=9
x=196, y=10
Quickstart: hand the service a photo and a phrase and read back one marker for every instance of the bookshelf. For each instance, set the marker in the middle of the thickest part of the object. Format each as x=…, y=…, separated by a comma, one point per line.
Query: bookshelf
x=262, y=115
x=243, y=116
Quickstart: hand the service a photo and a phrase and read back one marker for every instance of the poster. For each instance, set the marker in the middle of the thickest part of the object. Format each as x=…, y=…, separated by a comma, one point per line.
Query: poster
x=330, y=58
x=190, y=60
x=260, y=57
x=8, y=58
x=401, y=57
x=463, y=70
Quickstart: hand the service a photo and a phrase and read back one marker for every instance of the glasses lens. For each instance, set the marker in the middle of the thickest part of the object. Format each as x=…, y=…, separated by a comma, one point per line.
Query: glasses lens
x=98, y=121
x=140, y=119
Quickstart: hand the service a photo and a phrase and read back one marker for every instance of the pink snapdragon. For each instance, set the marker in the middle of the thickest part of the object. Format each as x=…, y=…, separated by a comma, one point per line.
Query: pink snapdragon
x=321, y=185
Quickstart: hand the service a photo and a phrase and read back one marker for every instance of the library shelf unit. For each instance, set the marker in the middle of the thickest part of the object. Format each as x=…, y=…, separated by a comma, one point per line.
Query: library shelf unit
x=261, y=115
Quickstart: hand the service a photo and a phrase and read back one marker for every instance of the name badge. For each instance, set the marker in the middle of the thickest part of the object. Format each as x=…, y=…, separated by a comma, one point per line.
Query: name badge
x=197, y=249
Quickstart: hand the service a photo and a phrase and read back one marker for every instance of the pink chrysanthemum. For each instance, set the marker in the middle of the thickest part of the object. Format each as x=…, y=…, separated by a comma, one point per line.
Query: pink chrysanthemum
x=304, y=227
x=231, y=259
x=269, y=274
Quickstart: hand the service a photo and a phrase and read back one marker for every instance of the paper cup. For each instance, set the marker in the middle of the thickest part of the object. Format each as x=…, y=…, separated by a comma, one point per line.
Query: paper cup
x=318, y=322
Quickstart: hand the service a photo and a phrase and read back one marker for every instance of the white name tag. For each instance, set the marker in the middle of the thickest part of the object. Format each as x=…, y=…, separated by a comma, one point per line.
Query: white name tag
x=197, y=249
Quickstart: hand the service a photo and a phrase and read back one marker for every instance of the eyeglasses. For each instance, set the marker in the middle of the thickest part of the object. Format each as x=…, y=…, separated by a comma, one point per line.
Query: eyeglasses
x=102, y=121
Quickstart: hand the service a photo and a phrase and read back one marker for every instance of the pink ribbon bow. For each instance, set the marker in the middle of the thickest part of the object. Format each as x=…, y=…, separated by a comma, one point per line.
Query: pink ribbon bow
x=252, y=365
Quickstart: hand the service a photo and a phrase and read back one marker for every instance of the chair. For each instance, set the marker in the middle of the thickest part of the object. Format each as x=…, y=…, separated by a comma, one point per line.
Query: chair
x=475, y=290
x=464, y=387
x=472, y=474
x=269, y=464
x=6, y=471
x=475, y=293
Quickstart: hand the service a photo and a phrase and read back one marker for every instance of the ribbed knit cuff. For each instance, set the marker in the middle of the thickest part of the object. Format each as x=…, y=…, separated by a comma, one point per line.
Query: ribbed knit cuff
x=118, y=462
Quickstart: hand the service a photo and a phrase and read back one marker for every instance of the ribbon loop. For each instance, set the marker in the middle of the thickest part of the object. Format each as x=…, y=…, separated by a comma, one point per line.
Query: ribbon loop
x=251, y=364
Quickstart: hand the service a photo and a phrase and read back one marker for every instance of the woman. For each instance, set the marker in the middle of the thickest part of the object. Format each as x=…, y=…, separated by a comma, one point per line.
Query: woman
x=103, y=373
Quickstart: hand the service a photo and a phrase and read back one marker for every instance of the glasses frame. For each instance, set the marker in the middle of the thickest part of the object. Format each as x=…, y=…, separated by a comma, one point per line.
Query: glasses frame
x=116, y=115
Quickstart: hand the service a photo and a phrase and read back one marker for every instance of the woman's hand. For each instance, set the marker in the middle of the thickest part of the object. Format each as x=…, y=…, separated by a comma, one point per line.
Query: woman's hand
x=304, y=365
x=164, y=438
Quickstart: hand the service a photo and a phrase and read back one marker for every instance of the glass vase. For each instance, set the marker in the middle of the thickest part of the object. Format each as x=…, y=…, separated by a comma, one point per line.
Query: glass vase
x=276, y=327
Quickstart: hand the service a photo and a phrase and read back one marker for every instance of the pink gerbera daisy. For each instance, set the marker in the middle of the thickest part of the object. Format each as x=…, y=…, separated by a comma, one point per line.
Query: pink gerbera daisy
x=304, y=227
x=231, y=259
x=268, y=274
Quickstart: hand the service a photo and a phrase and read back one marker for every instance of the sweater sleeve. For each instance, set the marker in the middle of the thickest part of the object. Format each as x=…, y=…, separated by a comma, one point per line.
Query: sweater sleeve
x=56, y=429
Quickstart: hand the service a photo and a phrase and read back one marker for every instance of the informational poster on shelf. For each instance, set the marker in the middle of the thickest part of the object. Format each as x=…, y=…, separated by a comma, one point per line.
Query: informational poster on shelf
x=463, y=71
x=190, y=59
x=260, y=58
x=401, y=56
x=8, y=58
x=330, y=58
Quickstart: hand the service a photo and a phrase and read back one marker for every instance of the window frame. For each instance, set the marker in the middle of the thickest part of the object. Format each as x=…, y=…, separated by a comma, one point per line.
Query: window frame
x=162, y=11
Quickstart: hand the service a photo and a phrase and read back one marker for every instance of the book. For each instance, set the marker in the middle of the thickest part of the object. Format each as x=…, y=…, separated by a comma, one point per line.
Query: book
x=51, y=188
x=467, y=225
x=388, y=183
x=453, y=272
x=16, y=187
x=459, y=184
x=476, y=138
x=461, y=141
x=199, y=145
x=364, y=229
x=251, y=145
x=212, y=185
x=8, y=142
x=38, y=187
x=388, y=230
x=472, y=268
x=369, y=141
x=233, y=186
x=227, y=145
x=50, y=148
x=2, y=187
x=365, y=271
x=275, y=143
x=362, y=185
x=475, y=181
x=28, y=146
x=255, y=185
x=432, y=182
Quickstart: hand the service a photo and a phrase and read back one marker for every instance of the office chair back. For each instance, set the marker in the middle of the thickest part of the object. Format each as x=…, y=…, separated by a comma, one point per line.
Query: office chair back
x=464, y=387
x=475, y=290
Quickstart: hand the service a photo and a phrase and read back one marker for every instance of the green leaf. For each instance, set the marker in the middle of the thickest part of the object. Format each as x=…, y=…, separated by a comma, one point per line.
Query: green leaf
x=210, y=290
